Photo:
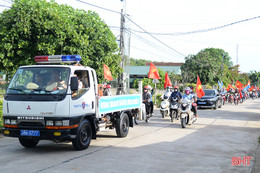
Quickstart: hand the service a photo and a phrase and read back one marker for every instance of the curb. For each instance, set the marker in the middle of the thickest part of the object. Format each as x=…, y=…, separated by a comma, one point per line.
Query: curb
x=256, y=167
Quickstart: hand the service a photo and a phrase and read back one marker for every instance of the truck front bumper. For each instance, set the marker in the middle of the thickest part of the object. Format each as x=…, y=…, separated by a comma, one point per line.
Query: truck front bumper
x=44, y=134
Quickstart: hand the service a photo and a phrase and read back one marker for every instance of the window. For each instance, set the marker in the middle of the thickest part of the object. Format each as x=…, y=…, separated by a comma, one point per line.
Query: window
x=83, y=83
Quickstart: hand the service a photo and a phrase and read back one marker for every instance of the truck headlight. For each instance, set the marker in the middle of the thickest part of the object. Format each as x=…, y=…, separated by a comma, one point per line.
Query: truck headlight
x=49, y=123
x=13, y=122
x=66, y=122
x=7, y=121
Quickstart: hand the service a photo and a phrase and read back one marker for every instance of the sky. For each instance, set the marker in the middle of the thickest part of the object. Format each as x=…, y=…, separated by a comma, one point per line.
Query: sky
x=241, y=40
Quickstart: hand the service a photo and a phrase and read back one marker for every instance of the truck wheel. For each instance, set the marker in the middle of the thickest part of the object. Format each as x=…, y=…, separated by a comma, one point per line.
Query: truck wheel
x=122, y=125
x=84, y=135
x=28, y=143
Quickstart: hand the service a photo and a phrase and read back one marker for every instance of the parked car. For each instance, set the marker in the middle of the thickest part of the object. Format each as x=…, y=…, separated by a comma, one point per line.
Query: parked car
x=211, y=99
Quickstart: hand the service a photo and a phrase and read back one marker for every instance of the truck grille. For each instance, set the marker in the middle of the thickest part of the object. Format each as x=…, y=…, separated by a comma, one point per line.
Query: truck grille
x=31, y=125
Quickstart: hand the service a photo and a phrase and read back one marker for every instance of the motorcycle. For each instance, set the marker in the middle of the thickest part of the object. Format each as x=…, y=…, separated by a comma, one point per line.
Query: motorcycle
x=253, y=95
x=174, y=108
x=186, y=115
x=230, y=98
x=142, y=115
x=236, y=98
x=223, y=98
x=165, y=106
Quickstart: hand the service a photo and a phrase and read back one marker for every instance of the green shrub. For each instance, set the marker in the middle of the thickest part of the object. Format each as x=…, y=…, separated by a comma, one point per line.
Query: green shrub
x=158, y=100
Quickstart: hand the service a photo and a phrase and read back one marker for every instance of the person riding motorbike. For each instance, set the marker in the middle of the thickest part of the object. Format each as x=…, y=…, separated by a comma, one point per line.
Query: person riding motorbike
x=176, y=93
x=146, y=100
x=191, y=97
x=194, y=104
x=167, y=92
x=150, y=89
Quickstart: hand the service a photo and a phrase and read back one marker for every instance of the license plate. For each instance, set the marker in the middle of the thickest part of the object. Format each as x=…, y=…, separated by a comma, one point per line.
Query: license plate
x=202, y=103
x=30, y=133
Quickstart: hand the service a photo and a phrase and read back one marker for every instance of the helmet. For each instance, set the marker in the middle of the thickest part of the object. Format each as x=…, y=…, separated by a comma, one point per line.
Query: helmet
x=168, y=88
x=149, y=87
x=187, y=90
x=145, y=87
x=176, y=87
x=108, y=86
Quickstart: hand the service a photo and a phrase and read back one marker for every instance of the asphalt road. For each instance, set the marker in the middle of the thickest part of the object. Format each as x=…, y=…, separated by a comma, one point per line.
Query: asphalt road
x=158, y=146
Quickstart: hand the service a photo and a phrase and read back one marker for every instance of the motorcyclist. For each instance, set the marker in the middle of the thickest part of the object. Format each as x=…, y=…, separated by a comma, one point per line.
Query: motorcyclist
x=146, y=99
x=150, y=89
x=191, y=97
x=167, y=92
x=107, y=90
x=176, y=93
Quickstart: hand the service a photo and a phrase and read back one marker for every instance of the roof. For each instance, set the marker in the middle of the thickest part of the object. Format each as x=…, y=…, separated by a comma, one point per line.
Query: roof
x=165, y=63
x=144, y=70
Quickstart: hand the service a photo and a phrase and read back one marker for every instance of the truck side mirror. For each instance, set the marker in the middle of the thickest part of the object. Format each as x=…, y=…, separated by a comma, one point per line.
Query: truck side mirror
x=74, y=83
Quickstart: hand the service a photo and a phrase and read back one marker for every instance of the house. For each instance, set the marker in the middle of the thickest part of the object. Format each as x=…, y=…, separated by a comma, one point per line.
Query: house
x=139, y=72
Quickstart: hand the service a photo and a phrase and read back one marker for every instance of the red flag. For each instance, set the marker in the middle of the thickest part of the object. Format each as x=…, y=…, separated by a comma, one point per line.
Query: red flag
x=167, y=81
x=257, y=88
x=230, y=87
x=239, y=85
x=153, y=72
x=107, y=73
x=199, y=90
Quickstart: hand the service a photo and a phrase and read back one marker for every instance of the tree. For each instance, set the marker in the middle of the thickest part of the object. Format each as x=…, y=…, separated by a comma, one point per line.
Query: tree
x=207, y=64
x=38, y=27
x=137, y=62
x=254, y=77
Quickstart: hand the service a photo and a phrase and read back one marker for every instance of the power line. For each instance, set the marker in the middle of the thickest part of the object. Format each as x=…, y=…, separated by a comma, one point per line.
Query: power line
x=98, y=7
x=154, y=37
x=8, y=1
x=151, y=53
x=152, y=44
x=149, y=43
x=4, y=6
x=202, y=30
x=134, y=24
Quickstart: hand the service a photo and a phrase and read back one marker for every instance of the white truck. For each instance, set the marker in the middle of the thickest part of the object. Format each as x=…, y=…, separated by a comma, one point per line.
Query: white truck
x=45, y=102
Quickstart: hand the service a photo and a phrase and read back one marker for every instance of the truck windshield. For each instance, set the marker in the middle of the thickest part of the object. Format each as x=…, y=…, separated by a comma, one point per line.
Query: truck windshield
x=39, y=81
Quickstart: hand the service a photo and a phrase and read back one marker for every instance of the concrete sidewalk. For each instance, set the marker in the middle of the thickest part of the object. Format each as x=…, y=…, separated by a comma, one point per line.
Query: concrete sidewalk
x=256, y=168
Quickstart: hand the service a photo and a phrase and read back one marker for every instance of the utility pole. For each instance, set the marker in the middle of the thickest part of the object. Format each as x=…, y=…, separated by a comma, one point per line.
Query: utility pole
x=120, y=79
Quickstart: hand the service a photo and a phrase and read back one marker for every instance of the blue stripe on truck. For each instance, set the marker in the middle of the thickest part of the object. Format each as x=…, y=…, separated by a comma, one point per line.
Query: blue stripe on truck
x=109, y=104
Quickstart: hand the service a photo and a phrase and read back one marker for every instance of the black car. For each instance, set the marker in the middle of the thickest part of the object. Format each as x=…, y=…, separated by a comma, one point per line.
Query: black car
x=211, y=99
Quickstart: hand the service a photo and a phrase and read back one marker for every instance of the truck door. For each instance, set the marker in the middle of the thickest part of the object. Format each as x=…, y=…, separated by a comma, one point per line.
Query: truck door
x=95, y=85
x=83, y=100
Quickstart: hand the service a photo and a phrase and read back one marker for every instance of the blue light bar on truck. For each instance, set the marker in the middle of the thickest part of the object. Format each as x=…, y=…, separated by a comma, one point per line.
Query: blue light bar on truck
x=57, y=58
